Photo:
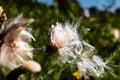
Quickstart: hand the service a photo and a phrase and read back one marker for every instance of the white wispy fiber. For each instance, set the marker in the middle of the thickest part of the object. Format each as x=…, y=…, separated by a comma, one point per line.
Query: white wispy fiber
x=72, y=49
x=31, y=66
x=15, y=49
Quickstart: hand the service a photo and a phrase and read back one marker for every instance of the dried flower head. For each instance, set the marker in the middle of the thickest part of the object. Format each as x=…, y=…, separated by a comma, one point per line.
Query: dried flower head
x=72, y=49
x=14, y=49
x=3, y=18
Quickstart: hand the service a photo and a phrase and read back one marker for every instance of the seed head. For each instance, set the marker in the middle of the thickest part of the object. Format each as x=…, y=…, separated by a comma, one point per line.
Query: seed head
x=75, y=51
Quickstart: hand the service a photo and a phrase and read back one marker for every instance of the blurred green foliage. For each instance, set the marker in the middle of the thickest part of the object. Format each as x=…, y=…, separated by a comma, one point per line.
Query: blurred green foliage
x=100, y=35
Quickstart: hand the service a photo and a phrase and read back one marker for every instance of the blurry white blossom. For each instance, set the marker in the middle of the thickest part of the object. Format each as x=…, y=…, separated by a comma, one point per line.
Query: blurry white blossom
x=14, y=49
x=86, y=13
x=72, y=49
x=116, y=33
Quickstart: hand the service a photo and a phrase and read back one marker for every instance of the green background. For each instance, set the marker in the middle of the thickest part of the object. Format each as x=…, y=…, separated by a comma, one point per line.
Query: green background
x=100, y=35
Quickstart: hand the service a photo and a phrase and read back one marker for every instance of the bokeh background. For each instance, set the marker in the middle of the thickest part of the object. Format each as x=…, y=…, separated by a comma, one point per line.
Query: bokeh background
x=102, y=17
